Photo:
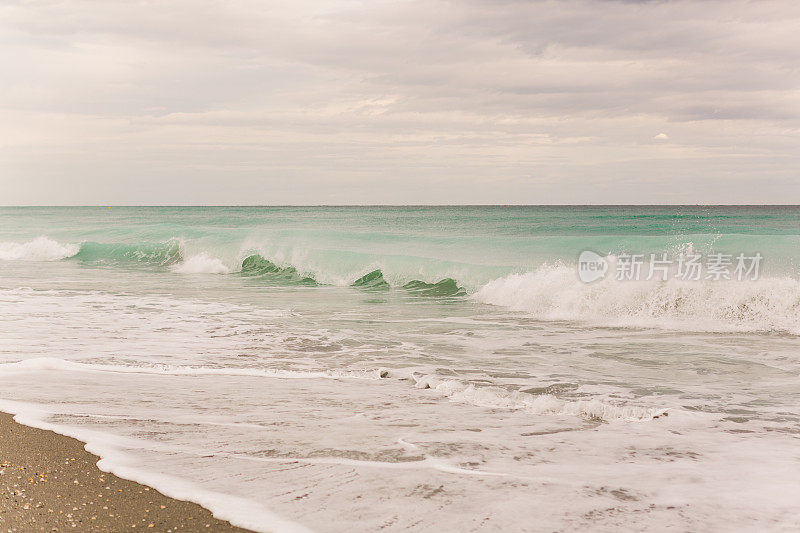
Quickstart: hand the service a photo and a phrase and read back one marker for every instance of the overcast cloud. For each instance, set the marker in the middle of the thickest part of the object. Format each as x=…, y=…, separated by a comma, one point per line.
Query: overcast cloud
x=194, y=102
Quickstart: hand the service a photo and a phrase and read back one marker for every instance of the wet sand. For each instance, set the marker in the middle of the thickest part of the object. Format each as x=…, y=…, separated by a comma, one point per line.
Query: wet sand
x=50, y=483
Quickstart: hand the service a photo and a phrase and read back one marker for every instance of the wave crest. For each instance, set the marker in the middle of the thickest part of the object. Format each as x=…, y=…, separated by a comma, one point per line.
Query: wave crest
x=445, y=287
x=372, y=281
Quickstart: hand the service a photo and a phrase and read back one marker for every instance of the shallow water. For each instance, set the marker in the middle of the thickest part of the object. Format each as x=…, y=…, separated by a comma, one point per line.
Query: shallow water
x=414, y=368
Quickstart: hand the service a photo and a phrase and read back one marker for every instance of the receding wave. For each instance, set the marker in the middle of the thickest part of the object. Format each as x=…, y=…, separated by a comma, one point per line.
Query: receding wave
x=542, y=404
x=155, y=254
x=52, y=363
x=39, y=249
x=554, y=293
x=257, y=266
x=490, y=397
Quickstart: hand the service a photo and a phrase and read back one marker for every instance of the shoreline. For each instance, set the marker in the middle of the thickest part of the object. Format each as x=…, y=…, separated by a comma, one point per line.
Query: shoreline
x=50, y=482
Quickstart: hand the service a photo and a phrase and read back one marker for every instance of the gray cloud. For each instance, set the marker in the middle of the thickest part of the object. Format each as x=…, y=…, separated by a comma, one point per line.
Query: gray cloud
x=398, y=102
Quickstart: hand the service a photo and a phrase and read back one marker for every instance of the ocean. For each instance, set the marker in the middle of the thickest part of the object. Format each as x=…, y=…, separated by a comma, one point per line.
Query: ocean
x=418, y=368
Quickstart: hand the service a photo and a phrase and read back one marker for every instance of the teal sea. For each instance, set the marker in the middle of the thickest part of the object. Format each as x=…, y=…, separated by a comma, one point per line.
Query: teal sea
x=416, y=368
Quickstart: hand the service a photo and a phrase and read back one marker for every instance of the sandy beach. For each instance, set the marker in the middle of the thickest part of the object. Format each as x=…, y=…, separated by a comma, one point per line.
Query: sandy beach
x=50, y=483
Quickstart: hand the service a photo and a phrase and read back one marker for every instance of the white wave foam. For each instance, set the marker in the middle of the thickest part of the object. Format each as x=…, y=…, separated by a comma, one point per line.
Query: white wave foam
x=554, y=292
x=52, y=363
x=201, y=263
x=497, y=398
x=39, y=249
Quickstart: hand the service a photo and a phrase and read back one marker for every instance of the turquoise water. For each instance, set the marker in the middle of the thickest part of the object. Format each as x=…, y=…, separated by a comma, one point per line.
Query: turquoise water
x=423, y=367
x=335, y=245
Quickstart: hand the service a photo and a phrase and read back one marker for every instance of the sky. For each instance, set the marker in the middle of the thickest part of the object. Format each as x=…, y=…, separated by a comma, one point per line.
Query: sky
x=399, y=102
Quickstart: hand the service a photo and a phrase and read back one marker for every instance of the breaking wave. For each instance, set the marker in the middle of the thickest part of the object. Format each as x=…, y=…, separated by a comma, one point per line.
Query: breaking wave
x=257, y=266
x=152, y=254
x=373, y=281
x=554, y=293
x=43, y=248
x=172, y=254
x=549, y=292
x=39, y=249
x=445, y=287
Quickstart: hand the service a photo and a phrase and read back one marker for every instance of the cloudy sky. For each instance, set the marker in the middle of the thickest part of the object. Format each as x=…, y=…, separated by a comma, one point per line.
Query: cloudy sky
x=468, y=101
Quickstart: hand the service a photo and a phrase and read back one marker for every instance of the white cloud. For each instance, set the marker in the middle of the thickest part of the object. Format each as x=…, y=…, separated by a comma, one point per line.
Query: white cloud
x=661, y=137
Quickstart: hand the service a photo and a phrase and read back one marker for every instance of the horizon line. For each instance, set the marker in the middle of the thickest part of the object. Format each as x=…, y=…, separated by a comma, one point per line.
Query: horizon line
x=389, y=205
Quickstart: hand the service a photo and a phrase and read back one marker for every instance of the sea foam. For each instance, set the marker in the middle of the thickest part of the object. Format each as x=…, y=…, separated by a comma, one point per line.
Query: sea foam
x=540, y=404
x=53, y=363
x=554, y=292
x=489, y=397
x=41, y=248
